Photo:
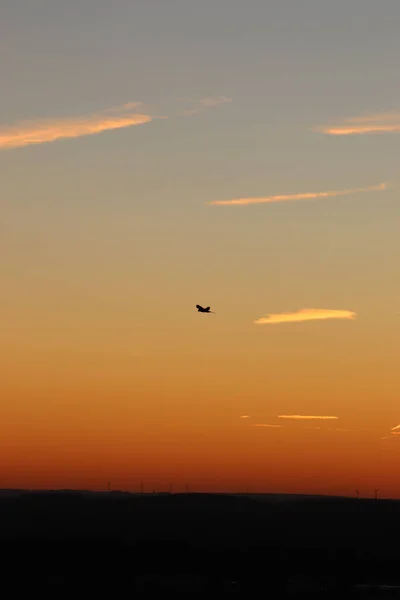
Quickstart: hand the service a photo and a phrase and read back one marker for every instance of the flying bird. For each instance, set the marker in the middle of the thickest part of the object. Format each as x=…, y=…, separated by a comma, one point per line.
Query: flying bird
x=204, y=310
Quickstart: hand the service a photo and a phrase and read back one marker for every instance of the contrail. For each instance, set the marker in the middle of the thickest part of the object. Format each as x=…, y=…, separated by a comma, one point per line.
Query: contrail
x=297, y=197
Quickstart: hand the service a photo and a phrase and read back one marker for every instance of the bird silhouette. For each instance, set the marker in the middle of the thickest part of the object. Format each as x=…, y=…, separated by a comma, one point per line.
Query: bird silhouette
x=204, y=310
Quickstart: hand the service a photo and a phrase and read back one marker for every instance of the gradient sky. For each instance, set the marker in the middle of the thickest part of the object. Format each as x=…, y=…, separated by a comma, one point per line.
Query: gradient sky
x=108, y=241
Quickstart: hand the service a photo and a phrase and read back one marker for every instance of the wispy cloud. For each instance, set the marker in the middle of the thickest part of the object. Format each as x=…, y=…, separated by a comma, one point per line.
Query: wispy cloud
x=378, y=123
x=305, y=314
x=307, y=417
x=43, y=131
x=297, y=197
x=211, y=102
x=245, y=417
x=203, y=103
x=266, y=425
x=393, y=431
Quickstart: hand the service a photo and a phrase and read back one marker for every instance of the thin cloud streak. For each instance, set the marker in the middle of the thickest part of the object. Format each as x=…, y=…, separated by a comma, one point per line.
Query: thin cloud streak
x=49, y=130
x=379, y=123
x=41, y=131
x=266, y=425
x=307, y=417
x=245, y=417
x=305, y=314
x=393, y=431
x=297, y=197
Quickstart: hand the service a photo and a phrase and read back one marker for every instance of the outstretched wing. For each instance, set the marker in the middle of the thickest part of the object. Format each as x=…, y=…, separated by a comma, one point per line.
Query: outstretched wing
x=207, y=308
x=199, y=307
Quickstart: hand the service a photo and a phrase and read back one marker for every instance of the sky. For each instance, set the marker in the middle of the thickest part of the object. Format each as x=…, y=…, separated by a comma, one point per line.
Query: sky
x=158, y=154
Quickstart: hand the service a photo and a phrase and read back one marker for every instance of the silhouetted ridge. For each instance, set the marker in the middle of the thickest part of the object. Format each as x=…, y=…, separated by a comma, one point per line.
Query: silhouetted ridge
x=249, y=539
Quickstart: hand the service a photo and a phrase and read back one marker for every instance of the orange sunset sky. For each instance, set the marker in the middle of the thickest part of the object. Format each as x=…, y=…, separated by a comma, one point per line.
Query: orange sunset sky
x=243, y=156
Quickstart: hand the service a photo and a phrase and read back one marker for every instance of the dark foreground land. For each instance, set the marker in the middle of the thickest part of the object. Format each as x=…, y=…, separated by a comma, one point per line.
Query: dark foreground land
x=228, y=545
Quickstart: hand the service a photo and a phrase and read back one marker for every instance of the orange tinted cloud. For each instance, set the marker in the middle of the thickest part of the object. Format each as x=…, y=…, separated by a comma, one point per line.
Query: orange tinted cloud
x=381, y=123
x=245, y=417
x=307, y=417
x=265, y=425
x=397, y=427
x=49, y=130
x=296, y=197
x=305, y=314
